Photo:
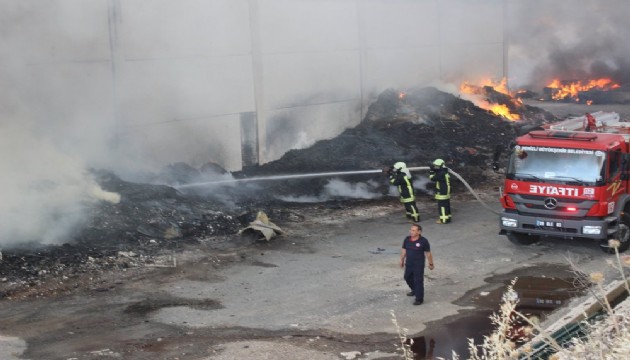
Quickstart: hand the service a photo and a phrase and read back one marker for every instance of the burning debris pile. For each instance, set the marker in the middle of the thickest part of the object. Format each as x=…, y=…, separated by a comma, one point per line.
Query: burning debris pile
x=415, y=127
x=590, y=92
x=151, y=221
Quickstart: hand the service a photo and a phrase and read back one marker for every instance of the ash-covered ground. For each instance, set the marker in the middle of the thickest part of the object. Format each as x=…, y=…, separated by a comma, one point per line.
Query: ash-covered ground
x=152, y=221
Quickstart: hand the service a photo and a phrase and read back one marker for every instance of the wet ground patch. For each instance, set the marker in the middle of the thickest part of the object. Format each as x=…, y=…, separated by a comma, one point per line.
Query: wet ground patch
x=148, y=306
x=540, y=289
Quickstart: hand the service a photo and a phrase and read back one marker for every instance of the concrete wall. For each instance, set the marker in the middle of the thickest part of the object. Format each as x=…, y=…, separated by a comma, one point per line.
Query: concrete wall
x=144, y=83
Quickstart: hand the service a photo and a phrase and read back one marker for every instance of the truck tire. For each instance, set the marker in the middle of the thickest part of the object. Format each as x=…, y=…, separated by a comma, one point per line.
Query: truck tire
x=522, y=239
x=623, y=235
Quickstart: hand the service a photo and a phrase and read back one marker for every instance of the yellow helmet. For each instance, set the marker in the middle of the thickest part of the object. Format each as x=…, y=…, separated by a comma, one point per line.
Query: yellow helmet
x=438, y=163
x=400, y=165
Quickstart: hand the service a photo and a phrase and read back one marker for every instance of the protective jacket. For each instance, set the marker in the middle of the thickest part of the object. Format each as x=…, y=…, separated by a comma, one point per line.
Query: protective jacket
x=591, y=123
x=405, y=186
x=442, y=180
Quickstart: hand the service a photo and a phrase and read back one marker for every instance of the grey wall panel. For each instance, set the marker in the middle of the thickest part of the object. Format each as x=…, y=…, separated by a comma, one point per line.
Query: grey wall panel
x=54, y=30
x=185, y=74
x=465, y=22
x=309, y=62
x=184, y=28
x=176, y=90
x=472, y=62
x=162, y=72
x=69, y=104
x=401, y=24
x=307, y=25
x=400, y=68
x=196, y=142
x=300, y=79
x=187, y=95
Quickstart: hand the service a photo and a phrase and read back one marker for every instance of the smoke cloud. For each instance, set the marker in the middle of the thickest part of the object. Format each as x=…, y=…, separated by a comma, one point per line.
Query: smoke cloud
x=339, y=189
x=45, y=191
x=108, y=84
x=567, y=40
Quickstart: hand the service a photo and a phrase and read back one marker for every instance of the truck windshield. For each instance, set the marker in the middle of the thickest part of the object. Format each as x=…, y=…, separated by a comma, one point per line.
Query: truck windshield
x=558, y=165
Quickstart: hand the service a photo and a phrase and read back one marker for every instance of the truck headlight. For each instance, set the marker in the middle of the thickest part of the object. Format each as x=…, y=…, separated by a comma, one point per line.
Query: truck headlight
x=591, y=230
x=509, y=222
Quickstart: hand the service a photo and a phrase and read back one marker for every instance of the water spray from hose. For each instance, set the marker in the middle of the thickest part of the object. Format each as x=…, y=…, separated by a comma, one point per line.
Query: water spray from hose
x=327, y=174
x=277, y=177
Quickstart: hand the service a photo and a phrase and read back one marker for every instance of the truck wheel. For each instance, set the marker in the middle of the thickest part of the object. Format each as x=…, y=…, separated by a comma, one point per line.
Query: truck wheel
x=522, y=239
x=623, y=235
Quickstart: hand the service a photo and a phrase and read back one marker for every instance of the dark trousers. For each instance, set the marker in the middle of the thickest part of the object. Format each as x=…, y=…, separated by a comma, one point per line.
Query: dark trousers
x=412, y=211
x=444, y=211
x=414, y=277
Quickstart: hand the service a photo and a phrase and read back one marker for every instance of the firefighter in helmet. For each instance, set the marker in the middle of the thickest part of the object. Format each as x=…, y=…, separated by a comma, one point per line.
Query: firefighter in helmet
x=442, y=179
x=400, y=176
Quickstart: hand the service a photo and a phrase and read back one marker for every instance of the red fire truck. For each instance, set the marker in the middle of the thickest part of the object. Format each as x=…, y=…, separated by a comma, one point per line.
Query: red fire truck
x=563, y=181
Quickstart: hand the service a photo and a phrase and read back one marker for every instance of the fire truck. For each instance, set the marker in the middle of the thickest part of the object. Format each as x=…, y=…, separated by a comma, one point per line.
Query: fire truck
x=570, y=180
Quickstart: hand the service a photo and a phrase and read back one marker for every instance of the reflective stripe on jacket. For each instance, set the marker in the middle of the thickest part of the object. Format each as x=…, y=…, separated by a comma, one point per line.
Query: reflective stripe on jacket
x=442, y=180
x=405, y=186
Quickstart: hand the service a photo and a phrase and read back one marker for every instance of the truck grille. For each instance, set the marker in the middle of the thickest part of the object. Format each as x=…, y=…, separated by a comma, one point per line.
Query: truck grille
x=550, y=228
x=535, y=206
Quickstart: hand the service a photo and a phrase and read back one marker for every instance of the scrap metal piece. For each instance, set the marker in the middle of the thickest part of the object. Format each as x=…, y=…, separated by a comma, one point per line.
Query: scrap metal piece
x=263, y=226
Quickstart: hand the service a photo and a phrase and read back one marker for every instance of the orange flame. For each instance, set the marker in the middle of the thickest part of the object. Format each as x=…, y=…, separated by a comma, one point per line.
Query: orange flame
x=502, y=110
x=497, y=109
x=468, y=88
x=570, y=90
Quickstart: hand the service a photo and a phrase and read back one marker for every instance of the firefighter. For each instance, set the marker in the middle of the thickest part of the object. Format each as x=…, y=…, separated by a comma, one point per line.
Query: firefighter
x=591, y=123
x=400, y=176
x=442, y=179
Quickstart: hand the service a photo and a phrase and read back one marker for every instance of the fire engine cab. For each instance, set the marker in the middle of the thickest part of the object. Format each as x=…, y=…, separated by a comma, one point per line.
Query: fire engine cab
x=563, y=181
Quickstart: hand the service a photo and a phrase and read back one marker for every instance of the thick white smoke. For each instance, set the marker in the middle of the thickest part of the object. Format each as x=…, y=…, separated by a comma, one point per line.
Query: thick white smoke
x=108, y=84
x=45, y=191
x=339, y=189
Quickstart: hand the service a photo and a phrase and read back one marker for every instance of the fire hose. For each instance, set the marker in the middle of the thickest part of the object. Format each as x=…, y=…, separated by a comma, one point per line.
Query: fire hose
x=460, y=178
x=327, y=174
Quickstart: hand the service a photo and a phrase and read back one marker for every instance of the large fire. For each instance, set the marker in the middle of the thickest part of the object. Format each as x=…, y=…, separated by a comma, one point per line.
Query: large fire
x=569, y=90
x=500, y=86
x=503, y=110
x=485, y=103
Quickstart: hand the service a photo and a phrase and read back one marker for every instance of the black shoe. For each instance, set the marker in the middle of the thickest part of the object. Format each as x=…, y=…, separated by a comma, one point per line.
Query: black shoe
x=418, y=302
x=410, y=293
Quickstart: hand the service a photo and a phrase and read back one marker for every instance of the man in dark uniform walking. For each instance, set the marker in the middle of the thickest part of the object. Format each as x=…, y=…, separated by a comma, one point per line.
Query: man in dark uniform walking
x=415, y=249
x=442, y=179
x=400, y=176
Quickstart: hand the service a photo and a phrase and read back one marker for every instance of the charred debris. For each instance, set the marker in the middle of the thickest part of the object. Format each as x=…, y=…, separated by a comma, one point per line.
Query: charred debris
x=152, y=221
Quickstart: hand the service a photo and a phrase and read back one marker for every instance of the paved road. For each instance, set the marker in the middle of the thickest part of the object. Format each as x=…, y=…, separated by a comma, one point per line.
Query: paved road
x=345, y=277
x=348, y=280
x=336, y=277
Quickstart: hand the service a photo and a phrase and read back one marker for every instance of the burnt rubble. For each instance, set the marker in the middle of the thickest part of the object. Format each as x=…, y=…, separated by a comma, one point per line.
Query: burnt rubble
x=152, y=221
x=149, y=223
x=423, y=125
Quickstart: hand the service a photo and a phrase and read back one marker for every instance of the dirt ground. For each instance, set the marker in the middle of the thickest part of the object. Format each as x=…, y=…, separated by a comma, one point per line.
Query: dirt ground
x=326, y=289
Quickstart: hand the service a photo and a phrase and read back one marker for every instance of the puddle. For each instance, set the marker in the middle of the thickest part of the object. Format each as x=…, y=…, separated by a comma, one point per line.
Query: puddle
x=540, y=290
x=442, y=340
x=150, y=305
